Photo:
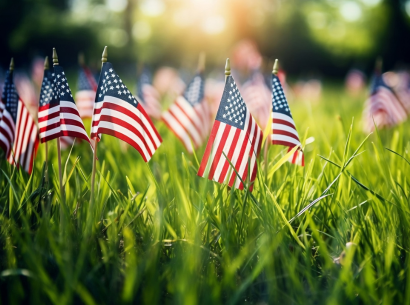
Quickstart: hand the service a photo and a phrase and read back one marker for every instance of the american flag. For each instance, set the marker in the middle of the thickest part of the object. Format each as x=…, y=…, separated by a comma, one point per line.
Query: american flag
x=235, y=134
x=283, y=127
x=70, y=122
x=49, y=109
x=257, y=97
x=148, y=95
x=382, y=106
x=188, y=117
x=86, y=89
x=26, y=139
x=18, y=130
x=10, y=99
x=118, y=113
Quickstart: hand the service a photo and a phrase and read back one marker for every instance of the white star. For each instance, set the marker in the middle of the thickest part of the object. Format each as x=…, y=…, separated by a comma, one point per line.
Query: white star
x=109, y=70
x=119, y=92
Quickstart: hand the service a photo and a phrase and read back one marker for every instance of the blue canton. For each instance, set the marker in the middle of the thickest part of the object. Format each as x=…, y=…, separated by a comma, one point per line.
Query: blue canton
x=194, y=93
x=378, y=82
x=82, y=82
x=111, y=84
x=279, y=102
x=48, y=94
x=232, y=109
x=61, y=84
x=10, y=97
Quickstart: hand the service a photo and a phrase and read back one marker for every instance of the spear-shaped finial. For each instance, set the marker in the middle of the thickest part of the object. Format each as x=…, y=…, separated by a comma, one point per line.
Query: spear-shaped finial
x=11, y=68
x=227, y=68
x=104, y=57
x=275, y=67
x=201, y=62
x=46, y=64
x=55, y=57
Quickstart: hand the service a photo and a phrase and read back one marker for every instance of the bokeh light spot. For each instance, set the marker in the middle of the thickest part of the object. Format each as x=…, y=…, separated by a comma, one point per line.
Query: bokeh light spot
x=141, y=30
x=152, y=7
x=351, y=11
x=213, y=25
x=117, y=5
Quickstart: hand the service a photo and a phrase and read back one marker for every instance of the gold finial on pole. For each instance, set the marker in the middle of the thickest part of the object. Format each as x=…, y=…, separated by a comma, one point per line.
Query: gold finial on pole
x=46, y=64
x=275, y=67
x=81, y=60
x=104, y=57
x=201, y=62
x=55, y=57
x=11, y=68
x=227, y=68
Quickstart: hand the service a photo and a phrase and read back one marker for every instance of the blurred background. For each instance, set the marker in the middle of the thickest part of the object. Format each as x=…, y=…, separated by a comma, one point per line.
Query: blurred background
x=324, y=38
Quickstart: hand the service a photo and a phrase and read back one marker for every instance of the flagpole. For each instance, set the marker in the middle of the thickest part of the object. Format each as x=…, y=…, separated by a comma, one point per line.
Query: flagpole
x=46, y=67
x=55, y=63
x=104, y=58
x=275, y=71
x=227, y=69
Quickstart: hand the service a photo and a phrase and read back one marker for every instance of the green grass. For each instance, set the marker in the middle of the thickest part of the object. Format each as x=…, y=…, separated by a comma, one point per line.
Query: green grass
x=158, y=234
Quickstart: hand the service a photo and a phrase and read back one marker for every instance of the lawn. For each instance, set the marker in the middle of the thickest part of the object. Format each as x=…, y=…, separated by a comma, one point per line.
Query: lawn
x=159, y=234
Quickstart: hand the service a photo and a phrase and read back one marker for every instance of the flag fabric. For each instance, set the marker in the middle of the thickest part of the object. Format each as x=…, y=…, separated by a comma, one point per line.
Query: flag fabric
x=283, y=127
x=236, y=135
x=188, y=117
x=86, y=89
x=18, y=131
x=402, y=88
x=26, y=139
x=257, y=97
x=382, y=106
x=118, y=113
x=70, y=122
x=10, y=100
x=148, y=95
x=49, y=109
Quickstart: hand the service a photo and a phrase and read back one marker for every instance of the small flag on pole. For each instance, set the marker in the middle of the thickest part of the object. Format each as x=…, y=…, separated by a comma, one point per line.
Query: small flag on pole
x=148, y=95
x=118, y=113
x=8, y=122
x=70, y=122
x=49, y=109
x=26, y=139
x=283, y=127
x=382, y=106
x=188, y=117
x=86, y=89
x=235, y=135
x=18, y=130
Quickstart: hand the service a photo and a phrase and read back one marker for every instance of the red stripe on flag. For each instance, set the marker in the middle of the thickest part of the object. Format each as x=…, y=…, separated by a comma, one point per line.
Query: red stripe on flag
x=218, y=153
x=208, y=148
x=283, y=122
x=133, y=116
x=229, y=156
x=123, y=138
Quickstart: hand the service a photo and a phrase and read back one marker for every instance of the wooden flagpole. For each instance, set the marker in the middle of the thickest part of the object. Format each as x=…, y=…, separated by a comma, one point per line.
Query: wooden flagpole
x=55, y=63
x=104, y=58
